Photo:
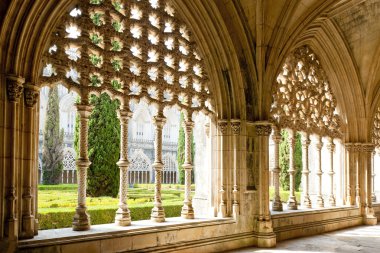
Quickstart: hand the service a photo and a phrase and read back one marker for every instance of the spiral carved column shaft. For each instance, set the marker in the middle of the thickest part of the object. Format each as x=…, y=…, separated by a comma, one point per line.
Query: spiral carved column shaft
x=187, y=209
x=81, y=217
x=292, y=202
x=276, y=204
x=158, y=213
x=305, y=171
x=331, y=148
x=318, y=146
x=123, y=217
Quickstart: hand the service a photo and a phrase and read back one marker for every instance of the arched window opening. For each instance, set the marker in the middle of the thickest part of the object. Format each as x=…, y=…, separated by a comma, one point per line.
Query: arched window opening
x=141, y=54
x=376, y=156
x=306, y=147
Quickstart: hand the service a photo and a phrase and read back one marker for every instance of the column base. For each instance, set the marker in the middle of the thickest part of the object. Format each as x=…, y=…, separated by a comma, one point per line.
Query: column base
x=292, y=203
x=36, y=226
x=11, y=229
x=369, y=217
x=27, y=227
x=306, y=202
x=81, y=220
x=266, y=238
x=277, y=205
x=332, y=201
x=235, y=210
x=350, y=201
x=187, y=211
x=123, y=217
x=320, y=202
x=222, y=210
x=158, y=214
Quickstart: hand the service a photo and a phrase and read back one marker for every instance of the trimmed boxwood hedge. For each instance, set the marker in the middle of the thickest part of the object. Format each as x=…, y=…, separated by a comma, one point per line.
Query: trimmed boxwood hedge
x=63, y=218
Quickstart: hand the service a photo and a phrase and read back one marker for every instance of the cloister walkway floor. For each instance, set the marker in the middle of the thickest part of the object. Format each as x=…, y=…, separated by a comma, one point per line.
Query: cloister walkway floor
x=356, y=239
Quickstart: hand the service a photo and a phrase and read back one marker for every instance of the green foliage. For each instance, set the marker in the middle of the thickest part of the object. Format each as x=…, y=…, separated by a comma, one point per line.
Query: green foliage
x=284, y=161
x=181, y=152
x=103, y=147
x=52, y=150
x=284, y=195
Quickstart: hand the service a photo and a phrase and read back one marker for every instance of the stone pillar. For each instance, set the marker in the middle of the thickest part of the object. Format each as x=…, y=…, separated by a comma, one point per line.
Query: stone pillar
x=305, y=170
x=187, y=209
x=158, y=213
x=264, y=226
x=292, y=202
x=82, y=218
x=318, y=146
x=222, y=127
x=331, y=148
x=235, y=126
x=373, y=176
x=276, y=204
x=31, y=93
x=14, y=91
x=350, y=168
x=123, y=217
x=369, y=217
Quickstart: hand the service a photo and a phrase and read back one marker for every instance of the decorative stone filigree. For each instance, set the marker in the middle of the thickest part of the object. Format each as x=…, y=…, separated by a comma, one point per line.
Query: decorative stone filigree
x=302, y=97
x=135, y=49
x=14, y=87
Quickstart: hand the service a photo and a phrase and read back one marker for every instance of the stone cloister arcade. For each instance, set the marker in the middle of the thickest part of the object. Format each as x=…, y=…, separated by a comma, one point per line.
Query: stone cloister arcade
x=245, y=69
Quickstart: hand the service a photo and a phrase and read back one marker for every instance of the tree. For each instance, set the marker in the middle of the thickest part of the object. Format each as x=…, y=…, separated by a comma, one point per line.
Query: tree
x=181, y=152
x=52, y=150
x=103, y=147
x=284, y=161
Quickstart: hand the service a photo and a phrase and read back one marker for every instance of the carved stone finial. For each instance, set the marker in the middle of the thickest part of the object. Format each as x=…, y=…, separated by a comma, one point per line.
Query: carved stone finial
x=14, y=87
x=31, y=93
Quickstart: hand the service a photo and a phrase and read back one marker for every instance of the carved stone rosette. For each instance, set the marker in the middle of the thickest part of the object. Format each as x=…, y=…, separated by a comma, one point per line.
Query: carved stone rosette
x=305, y=171
x=123, y=217
x=82, y=218
x=158, y=213
x=292, y=202
x=187, y=209
x=277, y=203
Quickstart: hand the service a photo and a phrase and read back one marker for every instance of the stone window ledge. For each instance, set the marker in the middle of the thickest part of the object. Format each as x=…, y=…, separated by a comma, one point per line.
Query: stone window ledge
x=106, y=231
x=287, y=213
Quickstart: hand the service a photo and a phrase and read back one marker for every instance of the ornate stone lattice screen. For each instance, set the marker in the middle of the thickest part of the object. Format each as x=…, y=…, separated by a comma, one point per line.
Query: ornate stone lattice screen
x=131, y=50
x=376, y=129
x=302, y=97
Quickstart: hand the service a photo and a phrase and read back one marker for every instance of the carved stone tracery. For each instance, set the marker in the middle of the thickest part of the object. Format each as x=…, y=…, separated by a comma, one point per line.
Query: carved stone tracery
x=302, y=97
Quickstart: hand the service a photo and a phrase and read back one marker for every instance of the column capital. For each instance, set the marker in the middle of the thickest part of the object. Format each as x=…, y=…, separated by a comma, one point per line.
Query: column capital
x=124, y=114
x=188, y=125
x=262, y=128
x=331, y=145
x=222, y=127
x=235, y=126
x=159, y=121
x=14, y=87
x=84, y=110
x=305, y=139
x=318, y=143
x=368, y=147
x=31, y=94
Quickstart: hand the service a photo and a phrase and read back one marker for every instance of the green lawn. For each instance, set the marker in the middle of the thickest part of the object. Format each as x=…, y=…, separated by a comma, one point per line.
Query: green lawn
x=56, y=204
x=284, y=195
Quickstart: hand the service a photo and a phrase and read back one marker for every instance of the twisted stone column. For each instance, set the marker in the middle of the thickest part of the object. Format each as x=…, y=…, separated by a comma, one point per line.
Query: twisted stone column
x=373, y=176
x=187, y=209
x=318, y=147
x=292, y=202
x=331, y=148
x=276, y=137
x=123, y=217
x=305, y=171
x=82, y=218
x=158, y=213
